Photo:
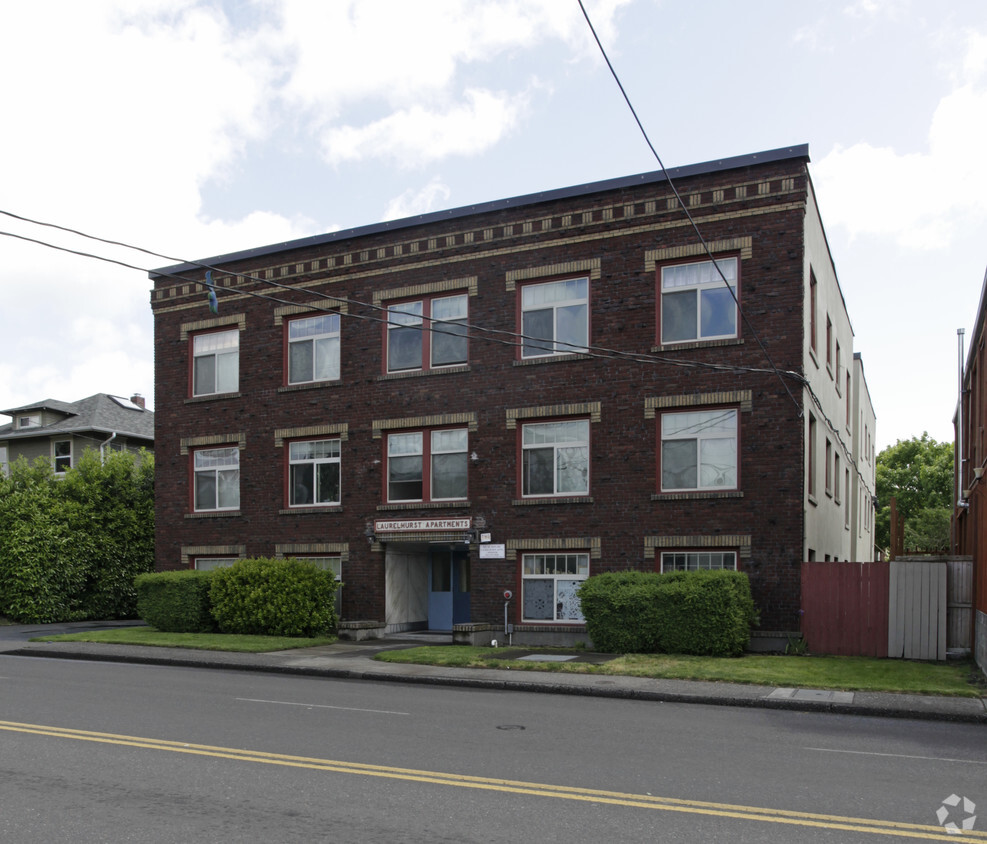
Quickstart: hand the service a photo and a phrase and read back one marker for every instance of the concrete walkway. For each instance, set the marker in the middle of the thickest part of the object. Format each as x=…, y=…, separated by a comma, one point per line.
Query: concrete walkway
x=354, y=661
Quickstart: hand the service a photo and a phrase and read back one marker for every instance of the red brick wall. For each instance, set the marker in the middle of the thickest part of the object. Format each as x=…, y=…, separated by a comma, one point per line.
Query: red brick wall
x=624, y=442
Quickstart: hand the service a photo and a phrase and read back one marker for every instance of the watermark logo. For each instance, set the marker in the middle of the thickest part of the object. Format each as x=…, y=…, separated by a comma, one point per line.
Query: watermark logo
x=956, y=814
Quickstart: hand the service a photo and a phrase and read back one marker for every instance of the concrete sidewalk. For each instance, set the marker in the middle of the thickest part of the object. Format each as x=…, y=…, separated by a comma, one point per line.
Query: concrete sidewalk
x=354, y=661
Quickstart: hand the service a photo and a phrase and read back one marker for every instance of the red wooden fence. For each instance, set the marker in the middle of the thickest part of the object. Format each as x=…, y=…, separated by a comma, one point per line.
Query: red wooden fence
x=845, y=608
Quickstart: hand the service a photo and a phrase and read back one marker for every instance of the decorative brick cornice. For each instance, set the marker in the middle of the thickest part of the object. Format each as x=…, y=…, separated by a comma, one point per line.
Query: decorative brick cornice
x=589, y=267
x=436, y=421
x=238, y=320
x=587, y=408
x=743, y=245
x=237, y=439
x=570, y=543
x=743, y=398
x=341, y=430
x=740, y=541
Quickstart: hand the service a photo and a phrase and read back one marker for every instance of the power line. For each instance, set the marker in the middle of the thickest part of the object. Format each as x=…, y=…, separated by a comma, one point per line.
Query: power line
x=682, y=205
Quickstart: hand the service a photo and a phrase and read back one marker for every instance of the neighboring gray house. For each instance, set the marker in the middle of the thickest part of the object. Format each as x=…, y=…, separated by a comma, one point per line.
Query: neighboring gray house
x=60, y=431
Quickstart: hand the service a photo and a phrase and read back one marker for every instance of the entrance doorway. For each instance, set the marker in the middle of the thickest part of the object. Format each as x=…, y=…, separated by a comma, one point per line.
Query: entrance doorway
x=448, y=586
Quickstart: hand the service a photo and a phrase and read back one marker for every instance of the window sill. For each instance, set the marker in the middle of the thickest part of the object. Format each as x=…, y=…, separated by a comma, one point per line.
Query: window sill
x=697, y=344
x=525, y=502
x=423, y=505
x=812, y=500
x=296, y=511
x=698, y=494
x=530, y=625
x=812, y=354
x=423, y=373
x=213, y=514
x=549, y=359
x=212, y=397
x=311, y=385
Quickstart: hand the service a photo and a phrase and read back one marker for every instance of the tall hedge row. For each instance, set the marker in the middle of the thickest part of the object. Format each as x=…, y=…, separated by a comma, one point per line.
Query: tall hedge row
x=71, y=545
x=706, y=613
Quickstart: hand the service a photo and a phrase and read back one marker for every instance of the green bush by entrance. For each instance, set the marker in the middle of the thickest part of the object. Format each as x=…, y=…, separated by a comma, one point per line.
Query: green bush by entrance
x=705, y=613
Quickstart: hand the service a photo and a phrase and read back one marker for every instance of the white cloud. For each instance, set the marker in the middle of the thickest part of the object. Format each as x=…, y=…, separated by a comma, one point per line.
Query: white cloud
x=912, y=196
x=412, y=202
x=418, y=135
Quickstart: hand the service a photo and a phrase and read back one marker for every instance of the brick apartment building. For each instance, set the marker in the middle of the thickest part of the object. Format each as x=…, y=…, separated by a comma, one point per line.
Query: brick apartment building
x=517, y=395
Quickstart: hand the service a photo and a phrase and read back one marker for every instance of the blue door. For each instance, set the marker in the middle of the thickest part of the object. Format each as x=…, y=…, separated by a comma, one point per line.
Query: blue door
x=448, y=587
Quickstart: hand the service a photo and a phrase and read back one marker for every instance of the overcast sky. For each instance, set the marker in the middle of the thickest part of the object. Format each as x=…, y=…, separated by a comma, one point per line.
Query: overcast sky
x=194, y=128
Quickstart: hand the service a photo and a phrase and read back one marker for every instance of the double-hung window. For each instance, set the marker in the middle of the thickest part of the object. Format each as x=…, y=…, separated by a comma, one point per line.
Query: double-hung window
x=696, y=303
x=555, y=458
x=61, y=453
x=313, y=473
x=216, y=362
x=699, y=450
x=550, y=584
x=313, y=349
x=427, y=333
x=217, y=479
x=555, y=317
x=698, y=560
x=211, y=563
x=427, y=465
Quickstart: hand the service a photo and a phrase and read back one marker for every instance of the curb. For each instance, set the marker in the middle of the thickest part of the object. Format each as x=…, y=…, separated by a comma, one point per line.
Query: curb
x=887, y=707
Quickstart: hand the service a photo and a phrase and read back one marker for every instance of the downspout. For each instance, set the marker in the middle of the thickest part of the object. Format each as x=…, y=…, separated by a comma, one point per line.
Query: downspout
x=960, y=460
x=102, y=446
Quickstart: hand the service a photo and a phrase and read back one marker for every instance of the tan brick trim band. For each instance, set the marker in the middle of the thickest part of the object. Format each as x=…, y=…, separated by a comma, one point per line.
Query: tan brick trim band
x=239, y=439
x=588, y=408
x=333, y=305
x=469, y=282
x=436, y=421
x=341, y=430
x=572, y=543
x=740, y=541
x=239, y=320
x=744, y=398
x=742, y=244
x=591, y=266
x=189, y=551
x=289, y=549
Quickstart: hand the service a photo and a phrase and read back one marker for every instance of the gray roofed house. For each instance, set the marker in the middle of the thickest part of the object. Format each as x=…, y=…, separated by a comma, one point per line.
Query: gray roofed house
x=60, y=431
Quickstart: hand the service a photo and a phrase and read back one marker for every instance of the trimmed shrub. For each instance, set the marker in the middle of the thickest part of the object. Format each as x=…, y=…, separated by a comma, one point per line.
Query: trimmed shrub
x=274, y=597
x=176, y=601
x=707, y=613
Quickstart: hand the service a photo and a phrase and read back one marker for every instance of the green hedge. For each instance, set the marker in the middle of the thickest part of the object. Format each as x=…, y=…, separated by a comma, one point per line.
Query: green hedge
x=275, y=597
x=176, y=601
x=708, y=613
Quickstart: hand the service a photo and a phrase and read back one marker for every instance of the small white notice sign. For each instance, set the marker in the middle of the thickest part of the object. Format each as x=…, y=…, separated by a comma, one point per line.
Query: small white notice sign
x=493, y=551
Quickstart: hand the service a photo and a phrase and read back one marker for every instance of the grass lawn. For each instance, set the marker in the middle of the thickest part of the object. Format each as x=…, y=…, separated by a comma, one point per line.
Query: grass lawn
x=815, y=672
x=199, y=641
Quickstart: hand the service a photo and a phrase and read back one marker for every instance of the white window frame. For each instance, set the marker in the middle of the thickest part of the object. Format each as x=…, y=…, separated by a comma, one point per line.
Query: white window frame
x=429, y=446
x=56, y=457
x=225, y=472
x=315, y=461
x=563, y=298
x=31, y=421
x=698, y=561
x=707, y=282
x=325, y=337
x=706, y=439
x=533, y=438
x=4, y=460
x=224, y=349
x=420, y=315
x=544, y=566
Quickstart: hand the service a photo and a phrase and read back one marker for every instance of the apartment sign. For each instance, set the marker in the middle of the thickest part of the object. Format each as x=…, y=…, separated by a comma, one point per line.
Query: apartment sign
x=403, y=525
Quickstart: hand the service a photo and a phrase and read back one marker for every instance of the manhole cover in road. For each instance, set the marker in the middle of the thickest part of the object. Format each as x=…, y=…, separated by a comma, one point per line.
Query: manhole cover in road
x=510, y=727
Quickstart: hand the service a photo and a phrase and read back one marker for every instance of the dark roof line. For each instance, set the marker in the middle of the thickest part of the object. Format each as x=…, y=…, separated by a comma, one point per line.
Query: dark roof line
x=733, y=163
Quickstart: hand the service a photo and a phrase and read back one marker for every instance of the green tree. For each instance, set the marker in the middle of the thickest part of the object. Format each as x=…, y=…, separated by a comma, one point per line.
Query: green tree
x=918, y=473
x=71, y=545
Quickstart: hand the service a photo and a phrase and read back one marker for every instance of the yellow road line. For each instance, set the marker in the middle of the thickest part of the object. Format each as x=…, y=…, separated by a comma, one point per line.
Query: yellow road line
x=614, y=798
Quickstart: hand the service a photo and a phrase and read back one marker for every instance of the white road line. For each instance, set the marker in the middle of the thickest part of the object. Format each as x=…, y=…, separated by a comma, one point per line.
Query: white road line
x=898, y=755
x=320, y=706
